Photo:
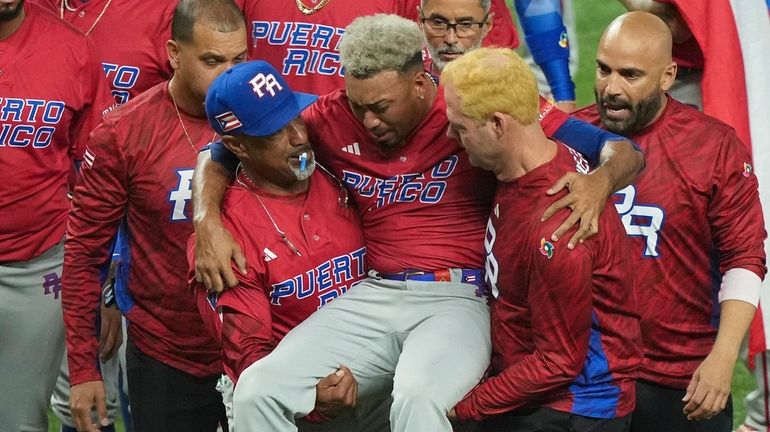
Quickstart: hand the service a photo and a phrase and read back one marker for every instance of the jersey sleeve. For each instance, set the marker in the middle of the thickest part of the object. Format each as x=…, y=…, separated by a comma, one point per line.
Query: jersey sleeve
x=735, y=213
x=97, y=100
x=560, y=311
x=97, y=208
x=247, y=327
x=546, y=37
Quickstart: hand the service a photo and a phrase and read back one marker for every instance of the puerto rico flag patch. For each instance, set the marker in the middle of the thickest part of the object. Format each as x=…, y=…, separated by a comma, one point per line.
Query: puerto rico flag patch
x=228, y=121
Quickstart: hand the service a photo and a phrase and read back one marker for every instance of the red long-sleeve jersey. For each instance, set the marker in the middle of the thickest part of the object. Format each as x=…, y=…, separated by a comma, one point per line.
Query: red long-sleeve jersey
x=691, y=215
x=565, y=330
x=138, y=165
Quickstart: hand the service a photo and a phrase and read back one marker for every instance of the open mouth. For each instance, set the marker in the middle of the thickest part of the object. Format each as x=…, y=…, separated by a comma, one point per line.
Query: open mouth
x=616, y=111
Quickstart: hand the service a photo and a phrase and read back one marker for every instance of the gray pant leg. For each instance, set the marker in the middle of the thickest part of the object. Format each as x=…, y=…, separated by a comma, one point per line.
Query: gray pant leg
x=61, y=395
x=757, y=401
x=354, y=330
x=443, y=357
x=31, y=340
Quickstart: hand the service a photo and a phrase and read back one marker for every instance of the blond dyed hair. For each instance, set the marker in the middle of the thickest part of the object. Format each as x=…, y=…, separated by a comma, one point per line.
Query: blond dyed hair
x=489, y=80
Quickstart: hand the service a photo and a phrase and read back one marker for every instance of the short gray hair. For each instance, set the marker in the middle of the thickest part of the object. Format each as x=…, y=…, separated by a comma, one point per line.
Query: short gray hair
x=381, y=42
x=485, y=4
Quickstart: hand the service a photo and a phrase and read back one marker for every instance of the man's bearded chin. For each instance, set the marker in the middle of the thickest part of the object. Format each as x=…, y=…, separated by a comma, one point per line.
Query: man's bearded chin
x=640, y=114
x=8, y=14
x=454, y=49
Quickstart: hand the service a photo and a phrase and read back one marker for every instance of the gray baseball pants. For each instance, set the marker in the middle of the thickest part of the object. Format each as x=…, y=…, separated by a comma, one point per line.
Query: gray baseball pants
x=427, y=343
x=31, y=339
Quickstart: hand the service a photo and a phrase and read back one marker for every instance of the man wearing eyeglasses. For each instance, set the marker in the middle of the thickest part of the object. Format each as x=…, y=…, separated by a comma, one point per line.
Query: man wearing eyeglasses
x=454, y=27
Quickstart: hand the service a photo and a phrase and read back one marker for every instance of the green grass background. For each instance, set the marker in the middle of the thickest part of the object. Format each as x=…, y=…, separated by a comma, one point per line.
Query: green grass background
x=592, y=17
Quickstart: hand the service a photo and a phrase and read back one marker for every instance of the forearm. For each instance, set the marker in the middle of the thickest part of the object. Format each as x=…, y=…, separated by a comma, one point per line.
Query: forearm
x=545, y=35
x=735, y=319
x=208, y=187
x=619, y=162
x=81, y=296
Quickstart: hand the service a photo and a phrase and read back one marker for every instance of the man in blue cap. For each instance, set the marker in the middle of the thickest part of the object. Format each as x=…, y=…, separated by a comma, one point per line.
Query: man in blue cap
x=303, y=243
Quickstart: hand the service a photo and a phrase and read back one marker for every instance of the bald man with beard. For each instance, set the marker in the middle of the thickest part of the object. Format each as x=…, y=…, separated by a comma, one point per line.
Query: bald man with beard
x=694, y=216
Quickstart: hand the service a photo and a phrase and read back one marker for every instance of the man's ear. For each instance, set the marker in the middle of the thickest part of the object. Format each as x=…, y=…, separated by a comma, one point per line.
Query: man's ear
x=498, y=122
x=488, y=26
x=235, y=146
x=668, y=76
x=172, y=50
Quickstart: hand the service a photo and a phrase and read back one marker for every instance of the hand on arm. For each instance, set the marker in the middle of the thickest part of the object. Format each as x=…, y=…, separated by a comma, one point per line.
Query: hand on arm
x=711, y=383
x=83, y=398
x=588, y=193
x=214, y=246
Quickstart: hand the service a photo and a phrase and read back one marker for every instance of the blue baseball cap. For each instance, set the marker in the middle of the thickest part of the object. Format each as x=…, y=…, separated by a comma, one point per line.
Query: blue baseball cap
x=252, y=98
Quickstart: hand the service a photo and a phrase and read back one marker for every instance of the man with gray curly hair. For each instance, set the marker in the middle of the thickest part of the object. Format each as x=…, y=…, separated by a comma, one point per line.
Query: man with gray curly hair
x=418, y=326
x=380, y=43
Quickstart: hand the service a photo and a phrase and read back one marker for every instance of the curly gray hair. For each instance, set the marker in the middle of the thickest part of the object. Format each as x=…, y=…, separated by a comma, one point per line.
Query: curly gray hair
x=381, y=42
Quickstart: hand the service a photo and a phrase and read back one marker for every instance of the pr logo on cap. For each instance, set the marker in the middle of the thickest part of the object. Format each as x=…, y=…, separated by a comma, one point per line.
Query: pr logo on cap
x=260, y=81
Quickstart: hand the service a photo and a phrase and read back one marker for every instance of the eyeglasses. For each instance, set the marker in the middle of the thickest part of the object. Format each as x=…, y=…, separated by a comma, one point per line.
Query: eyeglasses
x=440, y=27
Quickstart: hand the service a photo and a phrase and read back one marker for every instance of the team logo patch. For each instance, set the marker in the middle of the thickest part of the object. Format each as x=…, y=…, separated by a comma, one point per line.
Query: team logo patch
x=228, y=121
x=563, y=40
x=546, y=248
x=747, y=169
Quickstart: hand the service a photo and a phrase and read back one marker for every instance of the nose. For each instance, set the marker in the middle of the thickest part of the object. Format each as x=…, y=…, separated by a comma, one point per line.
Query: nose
x=298, y=133
x=612, y=85
x=371, y=121
x=450, y=37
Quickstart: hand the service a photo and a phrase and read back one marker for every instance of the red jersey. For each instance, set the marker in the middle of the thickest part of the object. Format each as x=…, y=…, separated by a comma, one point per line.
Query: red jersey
x=565, y=331
x=422, y=205
x=131, y=67
x=138, y=166
x=281, y=288
x=50, y=99
x=305, y=48
x=692, y=214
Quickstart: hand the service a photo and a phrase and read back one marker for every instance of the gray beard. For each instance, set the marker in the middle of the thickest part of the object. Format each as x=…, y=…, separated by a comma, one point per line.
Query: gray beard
x=304, y=175
x=434, y=53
